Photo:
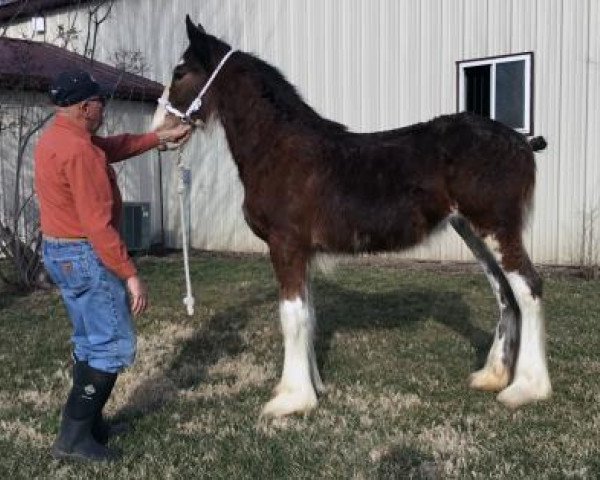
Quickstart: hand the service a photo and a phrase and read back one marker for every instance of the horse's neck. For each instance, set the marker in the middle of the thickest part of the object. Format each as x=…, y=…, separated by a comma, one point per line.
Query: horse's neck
x=250, y=125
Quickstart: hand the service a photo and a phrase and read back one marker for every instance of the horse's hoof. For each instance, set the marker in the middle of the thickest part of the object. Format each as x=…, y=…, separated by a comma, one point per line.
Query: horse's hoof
x=521, y=393
x=489, y=379
x=286, y=403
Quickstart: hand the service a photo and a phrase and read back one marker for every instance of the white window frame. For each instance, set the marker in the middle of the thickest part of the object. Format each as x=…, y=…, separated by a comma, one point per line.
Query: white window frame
x=493, y=62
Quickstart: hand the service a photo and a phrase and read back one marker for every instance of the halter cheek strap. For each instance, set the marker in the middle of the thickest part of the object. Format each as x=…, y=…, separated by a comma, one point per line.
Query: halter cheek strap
x=197, y=102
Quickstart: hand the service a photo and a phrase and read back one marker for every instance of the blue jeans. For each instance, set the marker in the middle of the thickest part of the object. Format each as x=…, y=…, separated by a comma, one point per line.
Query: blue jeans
x=97, y=304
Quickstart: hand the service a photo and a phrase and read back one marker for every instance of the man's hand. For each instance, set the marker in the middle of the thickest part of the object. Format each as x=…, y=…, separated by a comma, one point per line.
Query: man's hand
x=139, y=294
x=174, y=136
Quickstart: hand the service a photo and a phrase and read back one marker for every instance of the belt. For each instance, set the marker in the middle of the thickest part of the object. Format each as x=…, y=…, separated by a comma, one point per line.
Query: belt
x=48, y=238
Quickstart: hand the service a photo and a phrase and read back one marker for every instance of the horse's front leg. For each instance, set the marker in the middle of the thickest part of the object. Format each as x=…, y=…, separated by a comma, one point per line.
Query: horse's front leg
x=296, y=390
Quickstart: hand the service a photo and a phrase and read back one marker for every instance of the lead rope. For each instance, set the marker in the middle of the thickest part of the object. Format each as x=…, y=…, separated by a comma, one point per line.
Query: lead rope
x=188, y=300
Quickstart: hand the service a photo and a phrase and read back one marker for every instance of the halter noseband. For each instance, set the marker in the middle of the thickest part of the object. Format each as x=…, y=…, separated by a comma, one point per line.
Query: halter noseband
x=197, y=102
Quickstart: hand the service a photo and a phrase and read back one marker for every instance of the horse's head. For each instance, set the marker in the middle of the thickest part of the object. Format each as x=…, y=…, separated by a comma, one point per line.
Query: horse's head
x=202, y=57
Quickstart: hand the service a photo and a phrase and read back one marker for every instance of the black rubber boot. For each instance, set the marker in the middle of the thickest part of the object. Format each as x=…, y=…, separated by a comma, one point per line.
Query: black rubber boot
x=102, y=430
x=85, y=402
x=75, y=442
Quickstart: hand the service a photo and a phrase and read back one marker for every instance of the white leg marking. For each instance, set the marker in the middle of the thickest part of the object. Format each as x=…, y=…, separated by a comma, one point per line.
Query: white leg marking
x=159, y=115
x=295, y=392
x=494, y=376
x=532, y=381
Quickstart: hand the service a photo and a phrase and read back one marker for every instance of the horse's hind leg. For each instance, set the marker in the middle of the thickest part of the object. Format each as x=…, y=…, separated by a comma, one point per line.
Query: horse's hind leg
x=531, y=381
x=519, y=343
x=296, y=390
x=499, y=366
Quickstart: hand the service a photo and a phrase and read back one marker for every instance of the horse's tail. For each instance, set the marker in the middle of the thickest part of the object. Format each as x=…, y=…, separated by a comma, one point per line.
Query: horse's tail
x=538, y=143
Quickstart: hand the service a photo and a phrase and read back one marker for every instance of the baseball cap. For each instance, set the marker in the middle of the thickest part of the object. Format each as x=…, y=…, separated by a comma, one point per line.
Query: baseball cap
x=75, y=86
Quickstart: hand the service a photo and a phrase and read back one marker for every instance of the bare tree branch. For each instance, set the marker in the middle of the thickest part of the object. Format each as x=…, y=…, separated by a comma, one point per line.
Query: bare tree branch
x=97, y=21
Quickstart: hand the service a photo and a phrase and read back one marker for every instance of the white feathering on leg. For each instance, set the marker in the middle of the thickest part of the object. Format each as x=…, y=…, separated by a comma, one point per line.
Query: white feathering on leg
x=531, y=381
x=295, y=392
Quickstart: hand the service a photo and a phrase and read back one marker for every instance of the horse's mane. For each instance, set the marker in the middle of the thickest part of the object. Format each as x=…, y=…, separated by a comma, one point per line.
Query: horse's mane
x=284, y=97
x=289, y=105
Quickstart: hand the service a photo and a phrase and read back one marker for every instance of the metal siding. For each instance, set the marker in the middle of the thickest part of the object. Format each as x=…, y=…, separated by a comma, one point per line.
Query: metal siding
x=409, y=82
x=369, y=67
x=474, y=32
x=593, y=128
x=573, y=130
x=499, y=27
x=547, y=117
x=351, y=85
x=523, y=29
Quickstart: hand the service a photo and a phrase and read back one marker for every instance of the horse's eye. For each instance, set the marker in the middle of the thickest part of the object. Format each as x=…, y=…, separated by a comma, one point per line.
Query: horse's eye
x=178, y=73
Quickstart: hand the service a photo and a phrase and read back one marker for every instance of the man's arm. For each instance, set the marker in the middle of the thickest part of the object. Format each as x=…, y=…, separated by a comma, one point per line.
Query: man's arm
x=122, y=147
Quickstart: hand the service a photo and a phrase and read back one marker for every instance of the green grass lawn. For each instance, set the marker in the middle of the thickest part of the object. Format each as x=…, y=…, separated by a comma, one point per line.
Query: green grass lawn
x=395, y=347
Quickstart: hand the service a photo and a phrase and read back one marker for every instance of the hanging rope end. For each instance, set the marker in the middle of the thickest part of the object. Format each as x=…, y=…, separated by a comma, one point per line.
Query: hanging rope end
x=189, y=304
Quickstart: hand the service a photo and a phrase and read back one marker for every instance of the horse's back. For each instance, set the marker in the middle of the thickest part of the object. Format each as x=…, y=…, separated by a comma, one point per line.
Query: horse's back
x=388, y=190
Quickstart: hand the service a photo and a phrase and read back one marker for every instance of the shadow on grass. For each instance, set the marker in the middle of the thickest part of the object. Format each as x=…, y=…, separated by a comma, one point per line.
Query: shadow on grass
x=407, y=462
x=217, y=338
x=337, y=309
x=8, y=296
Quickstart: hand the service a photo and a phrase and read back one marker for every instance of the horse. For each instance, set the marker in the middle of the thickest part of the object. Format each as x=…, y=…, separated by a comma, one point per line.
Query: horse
x=311, y=185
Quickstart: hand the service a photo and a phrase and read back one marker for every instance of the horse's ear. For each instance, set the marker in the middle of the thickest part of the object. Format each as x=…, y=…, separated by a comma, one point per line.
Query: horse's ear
x=190, y=25
x=198, y=40
x=192, y=30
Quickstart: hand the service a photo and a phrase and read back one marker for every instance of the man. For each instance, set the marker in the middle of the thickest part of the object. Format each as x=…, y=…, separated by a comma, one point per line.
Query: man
x=80, y=209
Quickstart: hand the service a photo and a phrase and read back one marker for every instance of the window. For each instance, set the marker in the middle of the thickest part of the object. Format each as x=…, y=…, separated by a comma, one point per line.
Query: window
x=500, y=88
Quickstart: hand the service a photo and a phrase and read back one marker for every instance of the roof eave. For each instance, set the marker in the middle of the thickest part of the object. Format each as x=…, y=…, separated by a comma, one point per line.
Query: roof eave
x=29, y=8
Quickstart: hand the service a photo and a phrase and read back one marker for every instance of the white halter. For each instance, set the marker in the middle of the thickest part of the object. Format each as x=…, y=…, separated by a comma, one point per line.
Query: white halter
x=197, y=103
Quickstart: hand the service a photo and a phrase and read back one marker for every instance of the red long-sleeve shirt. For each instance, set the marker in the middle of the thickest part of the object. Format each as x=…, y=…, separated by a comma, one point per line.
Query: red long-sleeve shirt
x=77, y=188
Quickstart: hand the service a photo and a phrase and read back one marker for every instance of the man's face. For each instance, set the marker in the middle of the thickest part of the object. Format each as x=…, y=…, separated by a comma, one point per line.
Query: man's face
x=93, y=109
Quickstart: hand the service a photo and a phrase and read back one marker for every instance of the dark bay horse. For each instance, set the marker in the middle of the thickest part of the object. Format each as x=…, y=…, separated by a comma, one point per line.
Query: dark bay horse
x=313, y=186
